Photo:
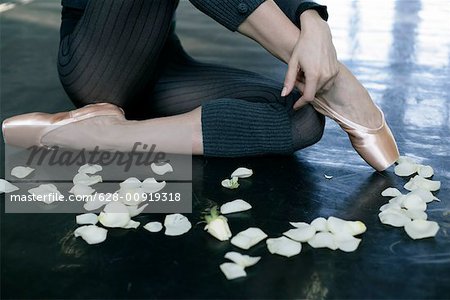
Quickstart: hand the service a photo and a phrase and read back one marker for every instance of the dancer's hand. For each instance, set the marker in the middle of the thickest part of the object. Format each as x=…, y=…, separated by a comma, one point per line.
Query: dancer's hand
x=313, y=65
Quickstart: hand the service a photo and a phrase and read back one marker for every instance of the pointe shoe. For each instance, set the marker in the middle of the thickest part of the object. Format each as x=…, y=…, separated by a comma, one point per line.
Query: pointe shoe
x=376, y=146
x=28, y=130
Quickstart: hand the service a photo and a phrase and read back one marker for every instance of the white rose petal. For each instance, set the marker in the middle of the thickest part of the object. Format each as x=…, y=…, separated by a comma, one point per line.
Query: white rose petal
x=248, y=238
x=405, y=169
x=150, y=185
x=115, y=214
x=327, y=176
x=426, y=196
x=92, y=234
x=153, y=226
x=242, y=260
x=394, y=217
x=130, y=184
x=161, y=169
x=131, y=196
x=320, y=224
x=418, y=182
x=232, y=270
x=234, y=206
x=391, y=192
x=88, y=218
x=133, y=210
x=219, y=228
x=425, y=171
x=85, y=179
x=230, y=183
x=90, y=169
x=21, y=172
x=242, y=173
x=420, y=229
x=416, y=214
x=47, y=193
x=6, y=187
x=283, y=246
x=390, y=206
x=347, y=243
x=405, y=159
x=81, y=190
x=301, y=234
x=339, y=226
x=176, y=224
x=323, y=240
x=132, y=224
x=96, y=201
x=414, y=202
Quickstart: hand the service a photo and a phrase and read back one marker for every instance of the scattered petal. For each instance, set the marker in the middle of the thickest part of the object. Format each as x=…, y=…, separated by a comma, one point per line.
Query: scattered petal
x=242, y=173
x=150, y=185
x=425, y=171
x=88, y=218
x=390, y=206
x=6, y=187
x=176, y=224
x=161, y=169
x=323, y=240
x=234, y=206
x=232, y=270
x=130, y=184
x=21, y=172
x=132, y=224
x=92, y=234
x=327, y=176
x=242, y=260
x=81, y=190
x=96, y=201
x=398, y=200
x=420, y=229
x=418, y=182
x=115, y=214
x=230, y=183
x=302, y=233
x=416, y=214
x=347, y=243
x=133, y=210
x=47, y=193
x=391, y=192
x=283, y=246
x=85, y=179
x=90, y=169
x=320, y=224
x=153, y=226
x=394, y=217
x=339, y=226
x=414, y=202
x=218, y=228
x=132, y=196
x=405, y=169
x=248, y=238
x=426, y=196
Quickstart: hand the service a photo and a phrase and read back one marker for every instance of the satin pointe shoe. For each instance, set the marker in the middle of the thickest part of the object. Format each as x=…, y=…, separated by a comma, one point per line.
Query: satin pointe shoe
x=376, y=146
x=28, y=130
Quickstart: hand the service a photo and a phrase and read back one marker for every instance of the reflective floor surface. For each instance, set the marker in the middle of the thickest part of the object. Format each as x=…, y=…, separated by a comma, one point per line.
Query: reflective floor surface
x=400, y=50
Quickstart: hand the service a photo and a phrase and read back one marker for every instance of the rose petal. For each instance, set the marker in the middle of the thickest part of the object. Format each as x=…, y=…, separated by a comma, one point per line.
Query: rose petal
x=130, y=184
x=391, y=192
x=161, y=169
x=425, y=171
x=323, y=240
x=133, y=210
x=405, y=159
x=232, y=270
x=90, y=169
x=347, y=243
x=327, y=176
x=242, y=260
x=85, y=179
x=416, y=214
x=320, y=224
x=21, y=172
x=283, y=246
x=394, y=217
x=390, y=206
x=398, y=200
x=6, y=187
x=418, y=182
x=242, y=173
x=47, y=193
x=426, y=196
x=132, y=224
x=248, y=238
x=301, y=234
x=130, y=196
x=219, y=228
x=405, y=169
x=115, y=214
x=340, y=226
x=230, y=183
x=81, y=190
x=88, y=218
x=153, y=226
x=420, y=229
x=234, y=206
x=150, y=185
x=96, y=201
x=92, y=234
x=176, y=224
x=414, y=202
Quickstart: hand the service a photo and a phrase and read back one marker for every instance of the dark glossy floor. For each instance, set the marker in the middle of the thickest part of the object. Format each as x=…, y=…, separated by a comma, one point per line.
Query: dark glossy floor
x=399, y=49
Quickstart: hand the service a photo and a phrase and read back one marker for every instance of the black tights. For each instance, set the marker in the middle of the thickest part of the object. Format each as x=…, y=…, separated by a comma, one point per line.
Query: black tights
x=125, y=52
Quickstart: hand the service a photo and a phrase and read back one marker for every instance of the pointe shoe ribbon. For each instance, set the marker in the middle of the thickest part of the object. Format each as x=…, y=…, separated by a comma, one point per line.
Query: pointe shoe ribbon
x=376, y=146
x=27, y=130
